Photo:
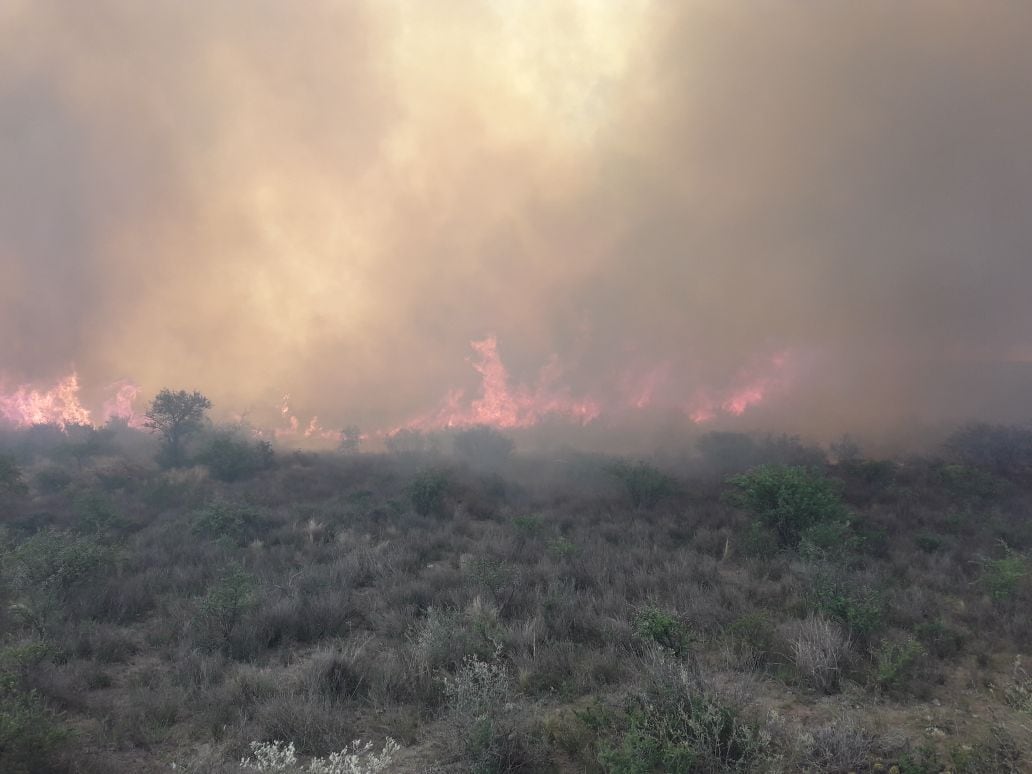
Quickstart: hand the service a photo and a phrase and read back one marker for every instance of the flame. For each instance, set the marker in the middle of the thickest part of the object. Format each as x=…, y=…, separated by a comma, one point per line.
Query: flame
x=120, y=405
x=60, y=405
x=293, y=427
x=502, y=405
x=751, y=388
x=57, y=406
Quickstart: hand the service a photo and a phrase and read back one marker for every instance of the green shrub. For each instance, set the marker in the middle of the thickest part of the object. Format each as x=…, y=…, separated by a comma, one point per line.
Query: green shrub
x=970, y=485
x=645, y=484
x=929, y=542
x=654, y=625
x=678, y=726
x=56, y=562
x=829, y=540
x=1001, y=577
x=788, y=500
x=897, y=662
x=860, y=609
x=238, y=523
x=30, y=734
x=427, y=492
x=223, y=607
x=229, y=457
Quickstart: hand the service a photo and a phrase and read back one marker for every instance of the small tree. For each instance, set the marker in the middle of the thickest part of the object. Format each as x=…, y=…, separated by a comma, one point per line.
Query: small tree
x=176, y=416
x=788, y=500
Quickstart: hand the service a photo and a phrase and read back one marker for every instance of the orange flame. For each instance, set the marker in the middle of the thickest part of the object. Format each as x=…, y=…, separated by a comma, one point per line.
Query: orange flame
x=60, y=405
x=502, y=405
x=57, y=406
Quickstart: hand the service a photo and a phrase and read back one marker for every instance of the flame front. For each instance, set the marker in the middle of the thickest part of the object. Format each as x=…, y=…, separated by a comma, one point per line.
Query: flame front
x=60, y=405
x=504, y=406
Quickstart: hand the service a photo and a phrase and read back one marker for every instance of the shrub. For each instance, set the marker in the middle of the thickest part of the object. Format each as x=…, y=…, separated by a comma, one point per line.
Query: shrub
x=239, y=523
x=970, y=485
x=357, y=758
x=820, y=651
x=1001, y=577
x=30, y=734
x=858, y=607
x=753, y=638
x=11, y=482
x=654, y=625
x=941, y=639
x=788, y=500
x=427, y=492
x=222, y=608
x=645, y=484
x=896, y=663
x=844, y=745
x=829, y=540
x=480, y=702
x=56, y=562
x=229, y=457
x=679, y=726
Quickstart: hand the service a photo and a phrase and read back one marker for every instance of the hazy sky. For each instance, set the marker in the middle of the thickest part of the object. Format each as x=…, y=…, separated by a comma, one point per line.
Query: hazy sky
x=661, y=199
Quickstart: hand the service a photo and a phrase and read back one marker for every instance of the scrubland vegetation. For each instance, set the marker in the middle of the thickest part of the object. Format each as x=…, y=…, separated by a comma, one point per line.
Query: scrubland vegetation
x=753, y=605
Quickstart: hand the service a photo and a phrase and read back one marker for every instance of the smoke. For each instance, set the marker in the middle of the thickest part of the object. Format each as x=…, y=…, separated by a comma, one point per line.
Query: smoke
x=652, y=201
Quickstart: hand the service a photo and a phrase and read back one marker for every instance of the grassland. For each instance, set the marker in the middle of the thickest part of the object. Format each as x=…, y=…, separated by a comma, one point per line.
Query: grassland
x=750, y=606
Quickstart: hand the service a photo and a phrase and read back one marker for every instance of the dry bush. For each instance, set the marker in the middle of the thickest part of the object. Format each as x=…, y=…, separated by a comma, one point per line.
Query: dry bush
x=820, y=651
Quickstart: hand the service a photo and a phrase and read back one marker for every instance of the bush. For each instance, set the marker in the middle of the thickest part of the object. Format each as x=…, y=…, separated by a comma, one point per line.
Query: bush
x=11, y=482
x=646, y=485
x=56, y=562
x=357, y=758
x=829, y=540
x=231, y=458
x=788, y=500
x=679, y=726
x=654, y=625
x=1001, y=577
x=896, y=663
x=239, y=523
x=223, y=607
x=820, y=651
x=427, y=492
x=859, y=608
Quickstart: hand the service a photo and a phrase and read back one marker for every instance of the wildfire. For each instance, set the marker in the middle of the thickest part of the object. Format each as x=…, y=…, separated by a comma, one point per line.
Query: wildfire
x=503, y=405
x=498, y=403
x=60, y=405
x=293, y=429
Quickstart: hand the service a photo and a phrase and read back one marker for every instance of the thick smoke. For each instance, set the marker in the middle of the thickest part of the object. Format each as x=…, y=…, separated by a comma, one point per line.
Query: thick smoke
x=332, y=199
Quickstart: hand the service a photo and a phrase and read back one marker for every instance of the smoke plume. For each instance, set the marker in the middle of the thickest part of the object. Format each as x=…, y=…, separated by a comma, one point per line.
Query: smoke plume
x=814, y=215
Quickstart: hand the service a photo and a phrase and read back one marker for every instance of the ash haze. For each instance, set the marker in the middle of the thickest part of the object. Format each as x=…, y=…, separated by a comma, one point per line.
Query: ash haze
x=814, y=215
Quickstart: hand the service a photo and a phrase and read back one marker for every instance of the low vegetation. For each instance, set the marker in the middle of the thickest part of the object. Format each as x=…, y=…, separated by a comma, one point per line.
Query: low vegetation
x=195, y=601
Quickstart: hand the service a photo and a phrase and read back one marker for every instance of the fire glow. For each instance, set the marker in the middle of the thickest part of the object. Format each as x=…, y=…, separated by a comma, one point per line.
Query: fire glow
x=60, y=405
x=502, y=405
x=498, y=402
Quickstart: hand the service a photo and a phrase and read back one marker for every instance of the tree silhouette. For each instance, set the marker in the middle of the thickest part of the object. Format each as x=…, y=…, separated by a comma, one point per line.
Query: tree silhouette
x=176, y=416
